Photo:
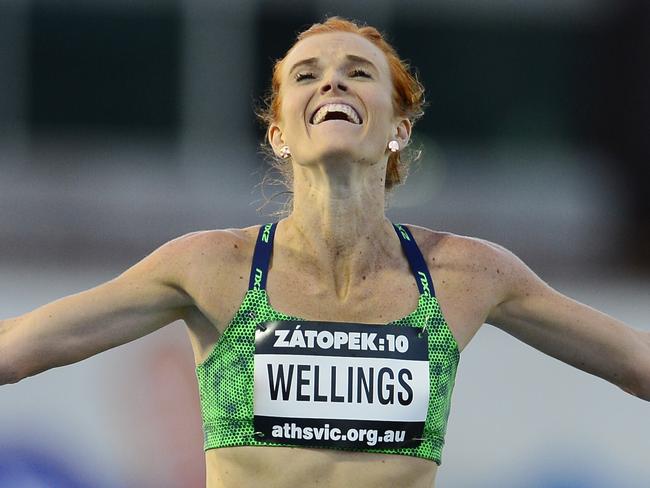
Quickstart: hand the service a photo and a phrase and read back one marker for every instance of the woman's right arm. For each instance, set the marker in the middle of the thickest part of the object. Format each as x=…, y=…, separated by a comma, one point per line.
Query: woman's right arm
x=141, y=300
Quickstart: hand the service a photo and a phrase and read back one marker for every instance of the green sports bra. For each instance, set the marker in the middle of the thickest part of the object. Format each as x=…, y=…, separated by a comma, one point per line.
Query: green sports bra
x=277, y=380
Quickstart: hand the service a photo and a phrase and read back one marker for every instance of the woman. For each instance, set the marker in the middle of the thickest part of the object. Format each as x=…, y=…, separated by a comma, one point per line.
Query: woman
x=341, y=348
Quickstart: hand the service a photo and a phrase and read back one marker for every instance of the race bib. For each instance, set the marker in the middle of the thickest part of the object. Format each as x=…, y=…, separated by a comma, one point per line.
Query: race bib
x=340, y=384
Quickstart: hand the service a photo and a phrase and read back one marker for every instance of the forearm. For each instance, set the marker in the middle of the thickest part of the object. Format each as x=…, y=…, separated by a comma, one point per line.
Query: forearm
x=79, y=326
x=582, y=337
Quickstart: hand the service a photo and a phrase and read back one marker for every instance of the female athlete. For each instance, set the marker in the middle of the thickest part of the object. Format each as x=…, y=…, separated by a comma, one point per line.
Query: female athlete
x=327, y=343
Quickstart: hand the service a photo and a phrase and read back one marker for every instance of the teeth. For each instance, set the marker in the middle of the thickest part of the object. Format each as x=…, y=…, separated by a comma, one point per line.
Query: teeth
x=336, y=107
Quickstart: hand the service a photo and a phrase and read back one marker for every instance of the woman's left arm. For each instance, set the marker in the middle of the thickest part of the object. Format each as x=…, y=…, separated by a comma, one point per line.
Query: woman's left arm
x=568, y=330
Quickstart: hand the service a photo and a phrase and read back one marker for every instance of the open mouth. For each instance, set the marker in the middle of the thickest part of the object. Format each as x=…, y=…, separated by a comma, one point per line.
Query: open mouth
x=335, y=111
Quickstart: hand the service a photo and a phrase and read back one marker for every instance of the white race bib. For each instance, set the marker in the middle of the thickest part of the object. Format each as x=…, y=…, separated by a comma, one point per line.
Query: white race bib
x=340, y=384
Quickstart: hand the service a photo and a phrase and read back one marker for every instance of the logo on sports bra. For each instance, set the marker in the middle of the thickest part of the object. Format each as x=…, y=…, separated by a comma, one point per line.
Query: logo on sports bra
x=403, y=232
x=267, y=232
x=258, y=279
x=425, y=283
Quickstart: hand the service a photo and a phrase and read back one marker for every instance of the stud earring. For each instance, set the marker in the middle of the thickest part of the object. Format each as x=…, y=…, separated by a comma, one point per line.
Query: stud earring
x=393, y=146
x=285, y=152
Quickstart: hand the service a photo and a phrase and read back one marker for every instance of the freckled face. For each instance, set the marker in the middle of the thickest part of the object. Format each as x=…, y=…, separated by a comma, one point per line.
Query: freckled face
x=341, y=68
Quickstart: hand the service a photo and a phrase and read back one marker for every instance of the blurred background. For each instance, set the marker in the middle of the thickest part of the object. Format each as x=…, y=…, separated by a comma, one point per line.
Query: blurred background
x=125, y=123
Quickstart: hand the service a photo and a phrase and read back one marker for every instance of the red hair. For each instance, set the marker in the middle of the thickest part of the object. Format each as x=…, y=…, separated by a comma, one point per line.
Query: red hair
x=408, y=92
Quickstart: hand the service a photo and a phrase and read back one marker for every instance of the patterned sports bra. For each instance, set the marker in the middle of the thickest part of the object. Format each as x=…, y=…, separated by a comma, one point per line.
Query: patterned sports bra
x=278, y=380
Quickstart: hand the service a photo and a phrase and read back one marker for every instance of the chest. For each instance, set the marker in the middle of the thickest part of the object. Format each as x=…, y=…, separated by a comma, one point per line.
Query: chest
x=376, y=298
x=381, y=297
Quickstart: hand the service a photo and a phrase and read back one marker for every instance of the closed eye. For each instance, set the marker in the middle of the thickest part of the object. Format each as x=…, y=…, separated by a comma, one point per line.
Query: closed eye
x=359, y=72
x=305, y=75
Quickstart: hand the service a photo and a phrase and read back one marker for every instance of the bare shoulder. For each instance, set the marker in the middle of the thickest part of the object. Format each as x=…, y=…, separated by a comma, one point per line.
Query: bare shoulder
x=484, y=267
x=463, y=252
x=180, y=262
x=209, y=250
x=471, y=276
x=229, y=243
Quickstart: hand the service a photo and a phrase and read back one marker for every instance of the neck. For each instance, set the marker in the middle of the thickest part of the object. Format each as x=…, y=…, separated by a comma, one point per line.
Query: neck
x=337, y=209
x=338, y=224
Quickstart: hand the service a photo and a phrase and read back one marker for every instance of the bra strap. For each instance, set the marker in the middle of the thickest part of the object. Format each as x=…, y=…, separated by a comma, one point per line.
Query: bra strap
x=416, y=260
x=262, y=257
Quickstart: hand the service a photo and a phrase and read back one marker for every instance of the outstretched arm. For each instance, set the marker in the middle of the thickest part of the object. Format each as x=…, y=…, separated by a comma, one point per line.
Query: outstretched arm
x=144, y=298
x=570, y=331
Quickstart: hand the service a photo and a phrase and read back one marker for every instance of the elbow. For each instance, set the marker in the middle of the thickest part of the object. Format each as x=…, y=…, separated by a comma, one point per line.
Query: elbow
x=9, y=370
x=639, y=388
x=9, y=379
x=645, y=394
x=12, y=370
x=639, y=385
x=644, y=377
x=9, y=374
x=643, y=388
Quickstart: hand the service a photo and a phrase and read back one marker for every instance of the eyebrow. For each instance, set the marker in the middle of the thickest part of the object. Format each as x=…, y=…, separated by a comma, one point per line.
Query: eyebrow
x=349, y=57
x=361, y=60
x=304, y=62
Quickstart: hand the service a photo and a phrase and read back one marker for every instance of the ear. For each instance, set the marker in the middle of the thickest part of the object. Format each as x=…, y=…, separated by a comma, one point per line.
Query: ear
x=275, y=138
x=403, y=132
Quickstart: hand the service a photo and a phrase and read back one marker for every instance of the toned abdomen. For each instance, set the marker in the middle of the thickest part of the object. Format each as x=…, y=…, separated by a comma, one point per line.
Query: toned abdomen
x=288, y=467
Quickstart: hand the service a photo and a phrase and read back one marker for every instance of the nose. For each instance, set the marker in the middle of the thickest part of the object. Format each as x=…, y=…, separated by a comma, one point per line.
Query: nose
x=333, y=83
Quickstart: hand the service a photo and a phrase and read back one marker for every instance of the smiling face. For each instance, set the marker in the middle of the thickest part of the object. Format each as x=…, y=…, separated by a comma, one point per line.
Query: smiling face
x=336, y=93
